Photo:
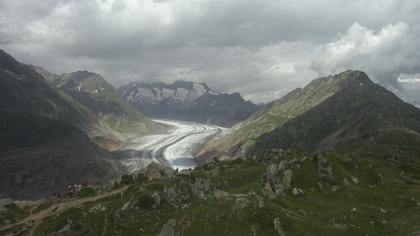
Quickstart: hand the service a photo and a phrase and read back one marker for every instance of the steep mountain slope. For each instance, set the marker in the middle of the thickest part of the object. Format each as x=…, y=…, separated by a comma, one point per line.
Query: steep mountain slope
x=39, y=151
x=21, y=88
x=188, y=101
x=360, y=113
x=50, y=77
x=116, y=120
x=101, y=98
x=243, y=135
x=40, y=156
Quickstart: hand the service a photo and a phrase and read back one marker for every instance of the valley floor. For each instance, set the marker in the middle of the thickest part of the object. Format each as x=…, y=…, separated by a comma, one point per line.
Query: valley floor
x=174, y=149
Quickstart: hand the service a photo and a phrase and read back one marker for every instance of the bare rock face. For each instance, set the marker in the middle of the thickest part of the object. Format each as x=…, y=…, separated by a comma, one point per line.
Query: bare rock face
x=277, y=178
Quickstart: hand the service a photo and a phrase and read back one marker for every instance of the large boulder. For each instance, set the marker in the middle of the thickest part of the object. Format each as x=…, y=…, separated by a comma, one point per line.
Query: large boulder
x=157, y=171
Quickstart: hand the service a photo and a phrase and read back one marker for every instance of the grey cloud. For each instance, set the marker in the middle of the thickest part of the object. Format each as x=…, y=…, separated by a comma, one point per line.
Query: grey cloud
x=261, y=48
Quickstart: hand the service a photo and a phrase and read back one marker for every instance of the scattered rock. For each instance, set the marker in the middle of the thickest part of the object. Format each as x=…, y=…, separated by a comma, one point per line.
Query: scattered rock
x=354, y=180
x=409, y=180
x=66, y=227
x=302, y=212
x=354, y=209
x=241, y=203
x=335, y=188
x=297, y=192
x=282, y=165
x=325, y=170
x=278, y=227
x=276, y=180
x=271, y=170
x=340, y=226
x=287, y=178
x=220, y=194
x=128, y=205
x=254, y=230
x=98, y=207
x=321, y=187
x=201, y=187
x=156, y=198
x=169, y=193
x=168, y=229
x=381, y=179
x=383, y=210
x=260, y=201
x=346, y=182
x=19, y=230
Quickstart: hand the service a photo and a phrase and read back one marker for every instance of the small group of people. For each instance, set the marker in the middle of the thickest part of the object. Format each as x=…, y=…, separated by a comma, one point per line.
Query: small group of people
x=72, y=190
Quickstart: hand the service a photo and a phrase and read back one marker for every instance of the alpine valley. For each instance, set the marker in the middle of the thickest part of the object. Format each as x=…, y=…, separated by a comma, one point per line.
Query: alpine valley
x=340, y=156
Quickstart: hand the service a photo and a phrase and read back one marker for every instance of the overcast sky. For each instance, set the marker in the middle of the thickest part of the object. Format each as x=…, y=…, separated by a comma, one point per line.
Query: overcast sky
x=261, y=48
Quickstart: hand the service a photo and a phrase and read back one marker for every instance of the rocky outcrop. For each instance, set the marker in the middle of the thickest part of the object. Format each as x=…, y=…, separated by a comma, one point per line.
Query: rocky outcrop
x=168, y=229
x=325, y=170
x=277, y=178
x=157, y=171
x=278, y=227
x=220, y=194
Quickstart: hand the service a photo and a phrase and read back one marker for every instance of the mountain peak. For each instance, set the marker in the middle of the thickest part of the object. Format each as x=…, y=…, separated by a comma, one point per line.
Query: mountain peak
x=8, y=63
x=354, y=77
x=183, y=84
x=84, y=74
x=350, y=78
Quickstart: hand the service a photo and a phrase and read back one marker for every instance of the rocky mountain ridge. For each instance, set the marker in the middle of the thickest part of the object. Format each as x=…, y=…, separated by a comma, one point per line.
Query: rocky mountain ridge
x=362, y=113
x=271, y=118
x=117, y=119
x=188, y=101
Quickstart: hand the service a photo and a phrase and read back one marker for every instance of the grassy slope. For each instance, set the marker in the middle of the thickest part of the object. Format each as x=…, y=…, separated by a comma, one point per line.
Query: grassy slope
x=383, y=203
x=277, y=113
x=363, y=113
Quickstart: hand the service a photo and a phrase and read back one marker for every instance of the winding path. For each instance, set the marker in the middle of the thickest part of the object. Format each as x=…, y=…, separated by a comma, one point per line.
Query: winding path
x=175, y=149
x=33, y=220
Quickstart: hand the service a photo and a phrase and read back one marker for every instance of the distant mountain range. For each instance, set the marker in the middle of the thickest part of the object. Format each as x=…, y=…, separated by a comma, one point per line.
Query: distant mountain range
x=188, y=101
x=330, y=112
